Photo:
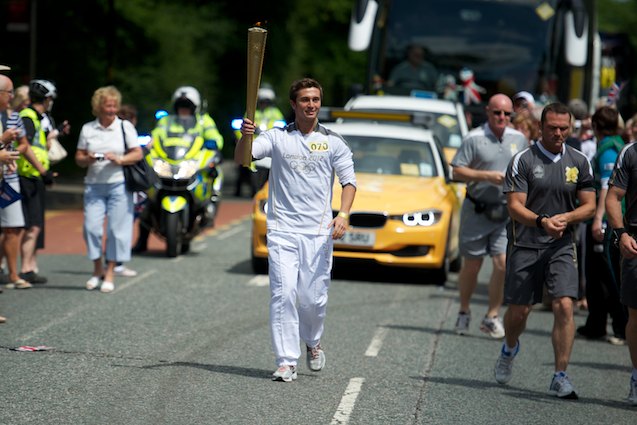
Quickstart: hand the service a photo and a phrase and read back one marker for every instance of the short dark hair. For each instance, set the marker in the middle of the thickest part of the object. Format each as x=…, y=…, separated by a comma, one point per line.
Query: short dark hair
x=556, y=108
x=605, y=121
x=304, y=83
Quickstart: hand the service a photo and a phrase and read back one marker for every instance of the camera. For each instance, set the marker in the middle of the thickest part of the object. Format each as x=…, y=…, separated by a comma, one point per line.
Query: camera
x=98, y=156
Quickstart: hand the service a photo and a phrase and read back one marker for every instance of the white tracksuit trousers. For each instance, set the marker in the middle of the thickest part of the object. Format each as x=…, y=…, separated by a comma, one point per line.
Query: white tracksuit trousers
x=300, y=267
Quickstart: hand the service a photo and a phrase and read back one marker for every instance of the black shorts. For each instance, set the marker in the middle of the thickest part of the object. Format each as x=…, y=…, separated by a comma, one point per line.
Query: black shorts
x=33, y=194
x=529, y=269
x=628, y=291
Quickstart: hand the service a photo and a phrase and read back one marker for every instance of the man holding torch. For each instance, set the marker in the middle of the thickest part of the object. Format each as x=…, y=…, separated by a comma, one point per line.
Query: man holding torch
x=300, y=228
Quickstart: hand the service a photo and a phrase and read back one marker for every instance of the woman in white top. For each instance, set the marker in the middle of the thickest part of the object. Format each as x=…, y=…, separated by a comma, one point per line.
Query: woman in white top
x=101, y=149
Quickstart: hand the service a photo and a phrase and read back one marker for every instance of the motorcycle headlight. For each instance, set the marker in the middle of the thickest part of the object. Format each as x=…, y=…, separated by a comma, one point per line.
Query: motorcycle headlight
x=162, y=168
x=424, y=218
x=183, y=170
x=187, y=169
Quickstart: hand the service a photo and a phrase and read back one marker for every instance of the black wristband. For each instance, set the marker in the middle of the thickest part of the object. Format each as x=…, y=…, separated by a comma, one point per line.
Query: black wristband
x=619, y=232
x=538, y=220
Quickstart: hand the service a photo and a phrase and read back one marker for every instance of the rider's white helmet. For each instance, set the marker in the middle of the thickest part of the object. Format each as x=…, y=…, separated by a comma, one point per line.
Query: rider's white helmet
x=266, y=93
x=41, y=89
x=187, y=96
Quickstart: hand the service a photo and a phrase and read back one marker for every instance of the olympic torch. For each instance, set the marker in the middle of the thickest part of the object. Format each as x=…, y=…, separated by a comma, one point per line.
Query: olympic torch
x=256, y=50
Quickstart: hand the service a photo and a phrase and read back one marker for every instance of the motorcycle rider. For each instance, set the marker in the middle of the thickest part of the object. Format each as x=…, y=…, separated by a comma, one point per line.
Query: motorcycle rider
x=188, y=119
x=266, y=116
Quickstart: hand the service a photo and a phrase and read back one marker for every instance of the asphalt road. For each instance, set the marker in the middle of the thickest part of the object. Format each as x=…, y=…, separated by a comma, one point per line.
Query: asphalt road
x=187, y=341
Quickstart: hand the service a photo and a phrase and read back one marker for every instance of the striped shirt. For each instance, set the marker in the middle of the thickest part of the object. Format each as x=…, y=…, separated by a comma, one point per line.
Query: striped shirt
x=9, y=121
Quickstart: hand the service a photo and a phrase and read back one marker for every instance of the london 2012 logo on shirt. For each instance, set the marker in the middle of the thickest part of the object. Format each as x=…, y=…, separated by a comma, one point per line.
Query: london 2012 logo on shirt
x=571, y=174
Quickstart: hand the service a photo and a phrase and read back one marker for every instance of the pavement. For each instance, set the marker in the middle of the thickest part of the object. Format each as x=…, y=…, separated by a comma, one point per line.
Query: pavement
x=68, y=193
x=65, y=216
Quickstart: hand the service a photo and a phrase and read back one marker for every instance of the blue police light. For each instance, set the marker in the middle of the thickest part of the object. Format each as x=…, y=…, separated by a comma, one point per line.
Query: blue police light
x=143, y=139
x=236, y=123
x=160, y=114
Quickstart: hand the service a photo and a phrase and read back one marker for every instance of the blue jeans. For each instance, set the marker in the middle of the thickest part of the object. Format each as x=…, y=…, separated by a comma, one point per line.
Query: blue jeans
x=112, y=201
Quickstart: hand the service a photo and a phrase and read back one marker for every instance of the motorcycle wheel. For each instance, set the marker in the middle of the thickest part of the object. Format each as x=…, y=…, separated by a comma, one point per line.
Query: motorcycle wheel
x=174, y=230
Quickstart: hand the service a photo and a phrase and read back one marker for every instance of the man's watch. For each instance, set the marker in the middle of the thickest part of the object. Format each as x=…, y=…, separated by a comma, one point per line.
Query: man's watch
x=538, y=220
x=619, y=232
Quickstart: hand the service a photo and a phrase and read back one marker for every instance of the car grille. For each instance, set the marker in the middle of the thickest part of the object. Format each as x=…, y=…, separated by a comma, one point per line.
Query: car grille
x=408, y=251
x=369, y=220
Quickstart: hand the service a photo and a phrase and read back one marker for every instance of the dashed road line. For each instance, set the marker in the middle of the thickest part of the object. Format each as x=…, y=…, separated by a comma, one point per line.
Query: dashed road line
x=259, y=280
x=346, y=406
x=377, y=342
x=230, y=232
x=133, y=281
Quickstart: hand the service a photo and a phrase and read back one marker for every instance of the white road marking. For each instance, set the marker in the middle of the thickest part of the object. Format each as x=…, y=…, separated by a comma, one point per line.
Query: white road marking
x=82, y=307
x=345, y=408
x=230, y=232
x=259, y=280
x=199, y=248
x=133, y=281
x=52, y=323
x=377, y=342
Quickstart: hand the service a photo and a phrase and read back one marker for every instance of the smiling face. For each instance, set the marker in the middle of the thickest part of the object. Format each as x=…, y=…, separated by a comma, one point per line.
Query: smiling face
x=307, y=105
x=108, y=109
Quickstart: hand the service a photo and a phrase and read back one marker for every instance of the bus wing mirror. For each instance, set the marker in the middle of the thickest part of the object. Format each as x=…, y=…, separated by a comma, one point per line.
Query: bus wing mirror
x=576, y=40
x=362, y=24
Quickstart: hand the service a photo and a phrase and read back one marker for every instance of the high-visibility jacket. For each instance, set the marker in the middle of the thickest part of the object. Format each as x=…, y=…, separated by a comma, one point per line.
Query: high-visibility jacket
x=264, y=119
x=204, y=128
x=38, y=144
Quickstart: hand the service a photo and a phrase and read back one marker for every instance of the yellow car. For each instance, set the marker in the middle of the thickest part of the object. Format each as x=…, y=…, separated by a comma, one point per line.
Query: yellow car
x=406, y=212
x=446, y=119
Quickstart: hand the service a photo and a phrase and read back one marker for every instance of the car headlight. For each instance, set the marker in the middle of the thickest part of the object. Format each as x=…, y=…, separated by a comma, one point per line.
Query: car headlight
x=263, y=206
x=420, y=218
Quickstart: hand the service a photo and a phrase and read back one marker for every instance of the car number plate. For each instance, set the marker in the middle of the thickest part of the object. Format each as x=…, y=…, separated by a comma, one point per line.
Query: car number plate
x=357, y=239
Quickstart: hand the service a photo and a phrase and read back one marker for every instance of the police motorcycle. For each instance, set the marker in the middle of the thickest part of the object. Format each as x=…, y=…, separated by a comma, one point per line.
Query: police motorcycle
x=180, y=205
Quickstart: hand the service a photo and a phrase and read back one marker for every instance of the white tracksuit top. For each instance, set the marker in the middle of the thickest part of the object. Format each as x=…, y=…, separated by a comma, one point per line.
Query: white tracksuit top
x=302, y=176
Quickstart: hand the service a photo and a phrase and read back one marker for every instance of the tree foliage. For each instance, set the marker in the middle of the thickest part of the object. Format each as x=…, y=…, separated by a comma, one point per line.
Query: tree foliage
x=147, y=48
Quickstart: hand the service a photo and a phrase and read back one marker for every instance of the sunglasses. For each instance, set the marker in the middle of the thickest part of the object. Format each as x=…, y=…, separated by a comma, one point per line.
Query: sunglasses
x=498, y=113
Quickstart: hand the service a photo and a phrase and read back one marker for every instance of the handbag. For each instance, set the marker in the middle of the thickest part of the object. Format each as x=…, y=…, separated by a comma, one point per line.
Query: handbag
x=8, y=195
x=56, y=152
x=139, y=176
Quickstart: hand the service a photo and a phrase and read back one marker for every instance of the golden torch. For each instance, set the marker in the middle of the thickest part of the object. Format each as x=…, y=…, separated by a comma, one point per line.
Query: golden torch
x=256, y=49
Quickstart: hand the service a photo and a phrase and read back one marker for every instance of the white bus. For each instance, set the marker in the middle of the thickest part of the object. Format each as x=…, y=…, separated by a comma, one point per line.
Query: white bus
x=550, y=48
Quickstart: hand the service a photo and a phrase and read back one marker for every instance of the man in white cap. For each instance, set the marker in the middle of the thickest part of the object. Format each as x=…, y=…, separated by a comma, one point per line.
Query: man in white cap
x=523, y=100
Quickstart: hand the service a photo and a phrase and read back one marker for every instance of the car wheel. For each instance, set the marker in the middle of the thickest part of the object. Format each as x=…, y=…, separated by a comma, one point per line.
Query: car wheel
x=439, y=276
x=456, y=264
x=259, y=265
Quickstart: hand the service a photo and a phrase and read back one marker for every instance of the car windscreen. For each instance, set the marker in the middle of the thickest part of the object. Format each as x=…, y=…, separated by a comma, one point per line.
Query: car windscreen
x=389, y=156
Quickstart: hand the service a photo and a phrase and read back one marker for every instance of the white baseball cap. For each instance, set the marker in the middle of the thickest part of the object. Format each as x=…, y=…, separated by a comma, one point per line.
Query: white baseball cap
x=524, y=95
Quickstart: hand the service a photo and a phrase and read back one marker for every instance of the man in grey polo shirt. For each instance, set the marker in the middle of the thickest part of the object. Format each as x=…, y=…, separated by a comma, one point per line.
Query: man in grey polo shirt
x=622, y=184
x=481, y=161
x=549, y=189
